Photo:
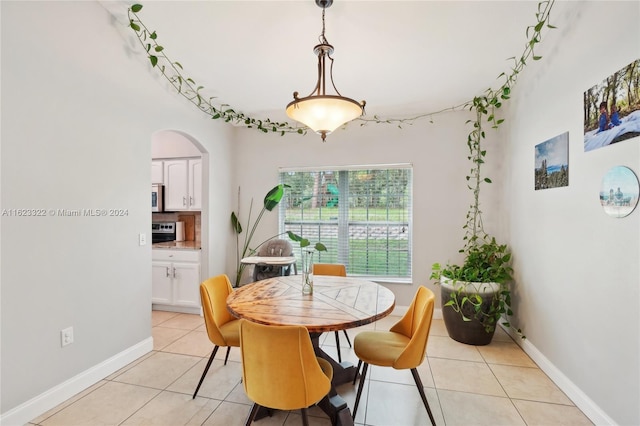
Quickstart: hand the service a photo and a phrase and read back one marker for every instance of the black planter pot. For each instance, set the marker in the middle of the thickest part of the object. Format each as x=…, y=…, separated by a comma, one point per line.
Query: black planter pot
x=469, y=332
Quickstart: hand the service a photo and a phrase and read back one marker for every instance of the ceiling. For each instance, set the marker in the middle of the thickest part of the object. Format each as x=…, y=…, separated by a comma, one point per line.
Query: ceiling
x=403, y=57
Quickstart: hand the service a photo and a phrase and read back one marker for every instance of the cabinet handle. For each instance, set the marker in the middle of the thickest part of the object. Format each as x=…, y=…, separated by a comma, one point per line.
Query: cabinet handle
x=190, y=201
x=174, y=272
x=167, y=271
x=184, y=201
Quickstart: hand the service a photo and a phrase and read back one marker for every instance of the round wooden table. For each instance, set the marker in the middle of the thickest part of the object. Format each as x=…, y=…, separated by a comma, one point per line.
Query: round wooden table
x=337, y=303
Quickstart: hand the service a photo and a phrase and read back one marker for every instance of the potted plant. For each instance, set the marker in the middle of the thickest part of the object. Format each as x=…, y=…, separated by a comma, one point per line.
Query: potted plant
x=475, y=295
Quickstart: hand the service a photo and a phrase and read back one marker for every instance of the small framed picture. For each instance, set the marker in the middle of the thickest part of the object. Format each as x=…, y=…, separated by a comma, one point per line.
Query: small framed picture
x=552, y=163
x=619, y=192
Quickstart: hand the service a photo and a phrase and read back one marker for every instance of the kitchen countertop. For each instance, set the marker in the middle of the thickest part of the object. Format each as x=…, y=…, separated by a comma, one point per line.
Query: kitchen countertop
x=181, y=245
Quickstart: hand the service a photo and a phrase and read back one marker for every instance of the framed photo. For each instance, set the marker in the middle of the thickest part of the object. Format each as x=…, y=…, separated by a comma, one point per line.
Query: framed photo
x=619, y=192
x=612, y=109
x=552, y=163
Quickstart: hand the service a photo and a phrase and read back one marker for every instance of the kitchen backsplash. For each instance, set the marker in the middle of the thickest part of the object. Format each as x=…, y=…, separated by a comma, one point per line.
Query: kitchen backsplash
x=192, y=223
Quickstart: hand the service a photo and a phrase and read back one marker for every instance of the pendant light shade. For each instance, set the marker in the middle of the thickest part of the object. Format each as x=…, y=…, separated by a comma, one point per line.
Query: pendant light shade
x=324, y=113
x=321, y=112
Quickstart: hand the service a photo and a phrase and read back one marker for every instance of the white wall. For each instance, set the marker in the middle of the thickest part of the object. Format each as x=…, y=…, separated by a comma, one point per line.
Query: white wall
x=79, y=107
x=577, y=269
x=171, y=144
x=437, y=152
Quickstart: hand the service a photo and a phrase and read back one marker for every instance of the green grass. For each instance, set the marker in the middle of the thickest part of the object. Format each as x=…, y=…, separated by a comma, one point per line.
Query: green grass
x=373, y=259
x=372, y=256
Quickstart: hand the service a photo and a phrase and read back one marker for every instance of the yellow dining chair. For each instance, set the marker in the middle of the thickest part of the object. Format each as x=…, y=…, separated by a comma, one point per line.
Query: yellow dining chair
x=338, y=270
x=223, y=328
x=280, y=369
x=402, y=347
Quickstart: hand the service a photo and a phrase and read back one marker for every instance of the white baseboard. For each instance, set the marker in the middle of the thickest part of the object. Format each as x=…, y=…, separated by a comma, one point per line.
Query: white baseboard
x=579, y=398
x=575, y=394
x=180, y=309
x=40, y=404
x=437, y=313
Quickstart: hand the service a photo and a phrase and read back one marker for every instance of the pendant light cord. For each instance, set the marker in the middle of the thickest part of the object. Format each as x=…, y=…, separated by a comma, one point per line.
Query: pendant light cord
x=322, y=38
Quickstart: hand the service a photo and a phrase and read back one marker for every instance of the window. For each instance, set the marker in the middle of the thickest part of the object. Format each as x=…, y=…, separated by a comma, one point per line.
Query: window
x=362, y=214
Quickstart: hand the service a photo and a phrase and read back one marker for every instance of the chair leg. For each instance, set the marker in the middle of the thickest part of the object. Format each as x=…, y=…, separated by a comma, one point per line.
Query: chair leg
x=347, y=336
x=226, y=357
x=416, y=378
x=213, y=354
x=360, y=386
x=252, y=414
x=338, y=347
x=305, y=419
x=355, y=377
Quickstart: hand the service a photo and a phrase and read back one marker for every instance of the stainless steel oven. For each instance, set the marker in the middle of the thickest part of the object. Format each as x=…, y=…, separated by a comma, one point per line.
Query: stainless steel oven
x=163, y=231
x=157, y=198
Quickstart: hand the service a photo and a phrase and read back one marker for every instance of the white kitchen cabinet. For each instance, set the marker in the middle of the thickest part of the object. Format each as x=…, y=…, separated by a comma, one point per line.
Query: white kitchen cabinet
x=195, y=184
x=157, y=172
x=183, y=184
x=161, y=283
x=186, y=286
x=176, y=279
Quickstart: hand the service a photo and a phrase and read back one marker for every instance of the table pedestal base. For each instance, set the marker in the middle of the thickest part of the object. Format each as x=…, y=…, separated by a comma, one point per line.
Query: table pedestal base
x=333, y=404
x=343, y=372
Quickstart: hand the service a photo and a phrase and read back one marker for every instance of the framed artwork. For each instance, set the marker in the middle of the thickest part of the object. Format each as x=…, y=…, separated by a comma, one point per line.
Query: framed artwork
x=619, y=192
x=612, y=109
x=552, y=163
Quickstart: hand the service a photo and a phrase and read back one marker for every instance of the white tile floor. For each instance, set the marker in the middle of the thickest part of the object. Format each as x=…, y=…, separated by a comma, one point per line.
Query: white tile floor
x=466, y=385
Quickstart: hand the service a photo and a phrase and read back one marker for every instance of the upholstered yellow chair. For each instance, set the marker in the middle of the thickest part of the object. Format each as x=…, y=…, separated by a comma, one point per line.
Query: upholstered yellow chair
x=223, y=328
x=339, y=270
x=280, y=369
x=402, y=347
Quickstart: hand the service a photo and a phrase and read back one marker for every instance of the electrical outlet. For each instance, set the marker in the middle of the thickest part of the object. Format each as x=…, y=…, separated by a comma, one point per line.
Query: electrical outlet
x=66, y=336
x=142, y=239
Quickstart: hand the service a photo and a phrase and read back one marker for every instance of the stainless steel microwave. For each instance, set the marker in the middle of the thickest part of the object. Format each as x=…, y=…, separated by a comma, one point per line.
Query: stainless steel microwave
x=157, y=198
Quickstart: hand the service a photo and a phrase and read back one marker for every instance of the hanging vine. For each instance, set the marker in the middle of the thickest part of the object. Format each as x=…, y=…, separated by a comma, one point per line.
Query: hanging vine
x=485, y=110
x=173, y=72
x=486, y=260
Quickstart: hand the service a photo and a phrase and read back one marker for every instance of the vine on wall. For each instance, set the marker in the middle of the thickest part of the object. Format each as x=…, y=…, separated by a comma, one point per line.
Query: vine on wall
x=173, y=72
x=486, y=104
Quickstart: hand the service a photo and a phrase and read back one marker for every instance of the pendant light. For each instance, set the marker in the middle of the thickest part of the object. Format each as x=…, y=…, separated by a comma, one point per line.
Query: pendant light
x=319, y=111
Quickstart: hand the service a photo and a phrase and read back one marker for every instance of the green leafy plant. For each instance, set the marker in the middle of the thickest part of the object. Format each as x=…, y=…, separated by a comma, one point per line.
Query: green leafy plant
x=487, y=261
x=304, y=243
x=271, y=200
